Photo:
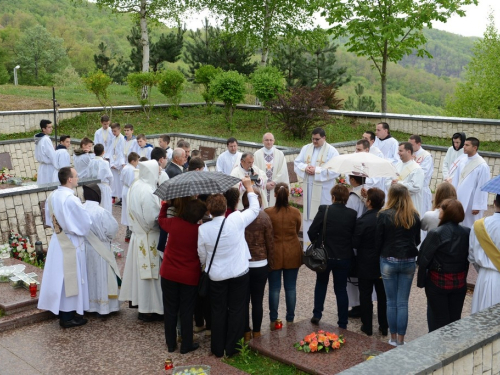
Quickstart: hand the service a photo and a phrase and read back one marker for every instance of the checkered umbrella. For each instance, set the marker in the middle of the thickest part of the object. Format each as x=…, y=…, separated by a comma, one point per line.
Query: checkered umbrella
x=492, y=186
x=194, y=183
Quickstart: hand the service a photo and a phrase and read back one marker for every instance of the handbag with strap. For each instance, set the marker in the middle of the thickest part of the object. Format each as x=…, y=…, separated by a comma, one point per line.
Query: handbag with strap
x=204, y=283
x=316, y=258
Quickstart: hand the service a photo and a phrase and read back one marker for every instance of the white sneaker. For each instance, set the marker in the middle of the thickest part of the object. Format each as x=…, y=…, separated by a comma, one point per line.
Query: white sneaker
x=393, y=343
x=401, y=343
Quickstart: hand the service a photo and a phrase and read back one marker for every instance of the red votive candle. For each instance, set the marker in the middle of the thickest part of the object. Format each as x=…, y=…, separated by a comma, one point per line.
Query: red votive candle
x=33, y=290
x=169, y=365
x=278, y=324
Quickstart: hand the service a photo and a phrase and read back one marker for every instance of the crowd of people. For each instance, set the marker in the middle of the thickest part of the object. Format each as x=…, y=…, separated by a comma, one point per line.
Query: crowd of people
x=375, y=231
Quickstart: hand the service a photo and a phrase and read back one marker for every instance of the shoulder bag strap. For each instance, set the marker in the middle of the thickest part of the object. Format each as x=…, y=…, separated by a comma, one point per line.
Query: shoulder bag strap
x=324, y=227
x=215, y=248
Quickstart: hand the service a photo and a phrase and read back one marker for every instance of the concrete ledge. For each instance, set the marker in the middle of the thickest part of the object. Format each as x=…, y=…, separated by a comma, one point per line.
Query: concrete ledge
x=18, y=190
x=441, y=348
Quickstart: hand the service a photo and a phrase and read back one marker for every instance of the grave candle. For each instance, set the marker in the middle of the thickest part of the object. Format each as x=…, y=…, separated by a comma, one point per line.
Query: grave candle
x=169, y=365
x=33, y=290
x=278, y=324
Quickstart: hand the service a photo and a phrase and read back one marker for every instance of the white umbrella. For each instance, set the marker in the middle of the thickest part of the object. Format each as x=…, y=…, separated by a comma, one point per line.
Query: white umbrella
x=361, y=164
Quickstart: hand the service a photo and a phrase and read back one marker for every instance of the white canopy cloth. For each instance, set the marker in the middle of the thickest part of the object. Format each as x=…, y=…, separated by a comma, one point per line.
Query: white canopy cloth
x=362, y=164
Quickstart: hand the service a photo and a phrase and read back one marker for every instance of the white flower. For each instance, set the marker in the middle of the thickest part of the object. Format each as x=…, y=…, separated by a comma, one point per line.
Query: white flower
x=19, y=248
x=31, y=249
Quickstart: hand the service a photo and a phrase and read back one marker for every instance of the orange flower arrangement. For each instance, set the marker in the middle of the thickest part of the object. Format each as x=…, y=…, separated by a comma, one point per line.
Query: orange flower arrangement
x=320, y=342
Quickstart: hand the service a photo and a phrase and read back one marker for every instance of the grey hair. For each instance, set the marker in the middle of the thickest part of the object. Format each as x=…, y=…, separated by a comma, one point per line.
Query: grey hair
x=244, y=156
x=177, y=153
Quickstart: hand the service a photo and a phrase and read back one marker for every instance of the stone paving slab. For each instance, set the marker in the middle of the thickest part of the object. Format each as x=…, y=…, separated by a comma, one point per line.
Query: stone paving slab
x=279, y=346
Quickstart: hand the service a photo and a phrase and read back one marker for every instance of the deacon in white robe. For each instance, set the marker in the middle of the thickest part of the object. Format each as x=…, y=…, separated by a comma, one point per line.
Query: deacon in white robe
x=116, y=162
x=61, y=160
x=75, y=222
x=370, y=137
x=273, y=162
x=453, y=154
x=99, y=169
x=141, y=280
x=410, y=175
x=45, y=155
x=426, y=162
x=247, y=168
x=230, y=158
x=486, y=290
x=104, y=136
x=385, y=143
x=102, y=299
x=316, y=181
x=472, y=172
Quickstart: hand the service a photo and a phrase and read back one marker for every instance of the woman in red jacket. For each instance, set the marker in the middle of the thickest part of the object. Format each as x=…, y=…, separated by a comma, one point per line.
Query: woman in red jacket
x=180, y=273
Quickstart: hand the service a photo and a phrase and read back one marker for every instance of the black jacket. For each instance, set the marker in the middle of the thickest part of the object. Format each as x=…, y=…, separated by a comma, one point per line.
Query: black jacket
x=368, y=260
x=445, y=249
x=173, y=170
x=340, y=224
x=396, y=242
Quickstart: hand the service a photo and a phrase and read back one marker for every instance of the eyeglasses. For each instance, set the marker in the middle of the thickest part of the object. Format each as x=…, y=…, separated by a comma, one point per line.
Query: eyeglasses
x=316, y=139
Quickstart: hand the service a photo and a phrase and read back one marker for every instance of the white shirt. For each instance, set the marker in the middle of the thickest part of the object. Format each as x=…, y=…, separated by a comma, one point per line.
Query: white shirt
x=450, y=161
x=376, y=151
x=414, y=182
x=388, y=147
x=99, y=136
x=232, y=254
x=227, y=161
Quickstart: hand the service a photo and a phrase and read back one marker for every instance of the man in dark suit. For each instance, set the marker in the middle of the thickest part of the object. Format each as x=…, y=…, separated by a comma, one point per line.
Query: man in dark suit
x=175, y=167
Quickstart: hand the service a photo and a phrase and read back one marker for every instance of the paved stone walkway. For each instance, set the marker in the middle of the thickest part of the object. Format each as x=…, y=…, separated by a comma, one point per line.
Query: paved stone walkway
x=121, y=344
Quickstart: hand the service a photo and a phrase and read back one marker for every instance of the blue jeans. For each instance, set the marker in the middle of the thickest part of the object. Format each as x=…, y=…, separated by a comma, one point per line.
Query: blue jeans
x=290, y=283
x=397, y=277
x=340, y=270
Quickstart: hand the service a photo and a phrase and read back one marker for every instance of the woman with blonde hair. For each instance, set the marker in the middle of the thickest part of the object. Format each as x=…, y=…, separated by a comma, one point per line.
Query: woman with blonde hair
x=397, y=238
x=444, y=191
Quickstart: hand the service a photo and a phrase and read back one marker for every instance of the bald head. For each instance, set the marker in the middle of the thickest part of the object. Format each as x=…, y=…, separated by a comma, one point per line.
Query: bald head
x=268, y=140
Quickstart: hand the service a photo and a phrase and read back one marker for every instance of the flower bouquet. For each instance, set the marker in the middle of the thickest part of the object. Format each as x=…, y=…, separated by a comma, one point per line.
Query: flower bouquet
x=296, y=191
x=21, y=248
x=4, y=251
x=4, y=175
x=342, y=180
x=320, y=342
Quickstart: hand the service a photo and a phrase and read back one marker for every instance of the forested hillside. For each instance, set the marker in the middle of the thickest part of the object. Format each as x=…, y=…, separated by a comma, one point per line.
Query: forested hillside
x=415, y=86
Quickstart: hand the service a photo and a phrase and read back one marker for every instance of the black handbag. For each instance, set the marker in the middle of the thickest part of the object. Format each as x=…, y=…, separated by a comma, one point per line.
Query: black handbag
x=316, y=258
x=204, y=283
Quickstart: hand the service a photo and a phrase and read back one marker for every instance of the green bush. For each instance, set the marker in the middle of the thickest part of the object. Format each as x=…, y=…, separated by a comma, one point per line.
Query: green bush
x=171, y=84
x=204, y=76
x=230, y=88
x=267, y=83
x=141, y=85
x=98, y=83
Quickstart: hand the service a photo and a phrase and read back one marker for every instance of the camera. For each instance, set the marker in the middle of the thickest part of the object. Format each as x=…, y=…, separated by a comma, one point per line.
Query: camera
x=254, y=177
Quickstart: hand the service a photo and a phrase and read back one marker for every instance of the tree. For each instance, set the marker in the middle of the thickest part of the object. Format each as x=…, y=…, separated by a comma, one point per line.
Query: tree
x=230, y=88
x=361, y=103
x=136, y=82
x=264, y=22
x=102, y=61
x=147, y=11
x=204, y=76
x=98, y=83
x=219, y=48
x=167, y=48
x=388, y=30
x=479, y=94
x=171, y=84
x=39, y=53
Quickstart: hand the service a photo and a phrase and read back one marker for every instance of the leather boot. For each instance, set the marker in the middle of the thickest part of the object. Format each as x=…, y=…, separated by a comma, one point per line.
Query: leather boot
x=247, y=336
x=256, y=334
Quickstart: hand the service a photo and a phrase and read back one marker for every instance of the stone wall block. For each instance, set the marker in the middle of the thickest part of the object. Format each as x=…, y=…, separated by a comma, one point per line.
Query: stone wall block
x=487, y=357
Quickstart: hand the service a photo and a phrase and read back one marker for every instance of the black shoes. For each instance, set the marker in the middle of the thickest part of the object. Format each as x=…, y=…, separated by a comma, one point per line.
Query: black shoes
x=383, y=331
x=75, y=322
x=366, y=330
x=119, y=203
x=147, y=318
x=192, y=348
x=355, y=312
x=171, y=350
x=315, y=321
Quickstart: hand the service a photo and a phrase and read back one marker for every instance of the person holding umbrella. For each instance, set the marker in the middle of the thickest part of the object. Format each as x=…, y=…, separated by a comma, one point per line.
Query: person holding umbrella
x=228, y=274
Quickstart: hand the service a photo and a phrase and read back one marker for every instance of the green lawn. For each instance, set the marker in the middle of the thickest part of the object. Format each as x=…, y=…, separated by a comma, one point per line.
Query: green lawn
x=248, y=126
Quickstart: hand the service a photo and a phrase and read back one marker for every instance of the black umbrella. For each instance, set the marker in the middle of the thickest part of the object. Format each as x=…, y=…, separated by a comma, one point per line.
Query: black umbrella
x=195, y=183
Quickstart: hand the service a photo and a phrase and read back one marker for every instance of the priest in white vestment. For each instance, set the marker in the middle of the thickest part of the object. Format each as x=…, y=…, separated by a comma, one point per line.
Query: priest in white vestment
x=453, y=154
x=102, y=280
x=410, y=175
x=247, y=168
x=385, y=143
x=141, y=281
x=62, y=158
x=117, y=161
x=104, y=136
x=82, y=158
x=471, y=174
x=273, y=162
x=484, y=254
x=316, y=181
x=64, y=288
x=230, y=158
x=45, y=153
x=426, y=162
x=99, y=169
